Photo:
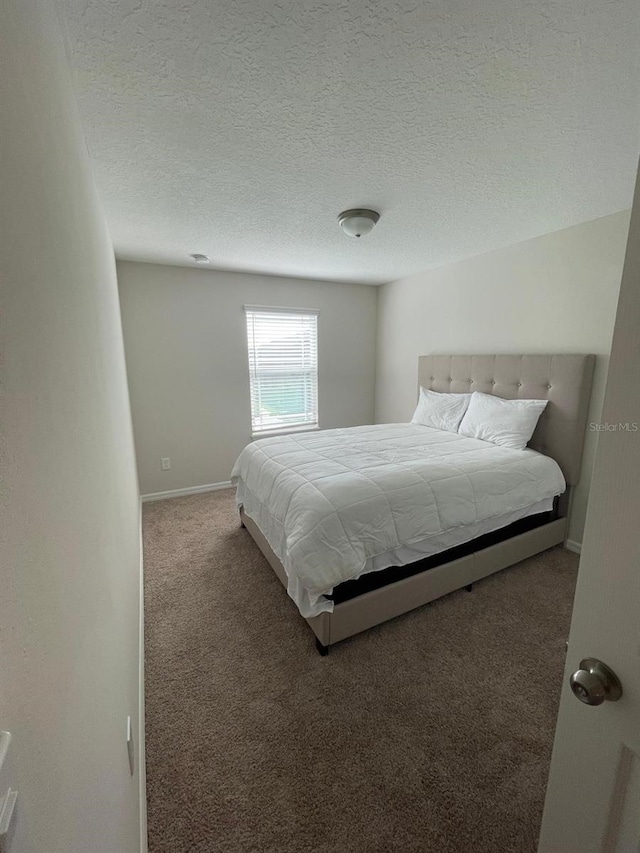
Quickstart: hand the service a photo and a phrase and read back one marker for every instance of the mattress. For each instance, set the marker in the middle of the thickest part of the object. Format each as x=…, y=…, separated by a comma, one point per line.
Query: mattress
x=335, y=504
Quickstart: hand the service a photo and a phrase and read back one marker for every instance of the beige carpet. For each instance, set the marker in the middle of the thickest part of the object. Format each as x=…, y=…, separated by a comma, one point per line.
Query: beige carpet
x=432, y=732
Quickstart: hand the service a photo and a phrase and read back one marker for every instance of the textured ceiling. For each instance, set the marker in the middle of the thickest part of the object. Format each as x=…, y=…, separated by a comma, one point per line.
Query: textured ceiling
x=241, y=128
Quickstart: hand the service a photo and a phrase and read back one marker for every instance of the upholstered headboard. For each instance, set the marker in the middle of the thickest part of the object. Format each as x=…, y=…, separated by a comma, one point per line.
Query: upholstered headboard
x=564, y=380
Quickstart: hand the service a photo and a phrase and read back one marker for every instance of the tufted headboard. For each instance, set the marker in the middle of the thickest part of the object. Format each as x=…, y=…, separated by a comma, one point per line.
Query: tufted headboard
x=564, y=380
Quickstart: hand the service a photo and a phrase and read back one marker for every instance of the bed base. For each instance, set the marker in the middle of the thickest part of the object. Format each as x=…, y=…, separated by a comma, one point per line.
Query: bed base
x=323, y=651
x=372, y=608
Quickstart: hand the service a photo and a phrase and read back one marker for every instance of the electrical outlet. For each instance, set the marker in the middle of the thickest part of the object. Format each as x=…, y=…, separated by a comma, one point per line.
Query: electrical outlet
x=165, y=463
x=130, y=746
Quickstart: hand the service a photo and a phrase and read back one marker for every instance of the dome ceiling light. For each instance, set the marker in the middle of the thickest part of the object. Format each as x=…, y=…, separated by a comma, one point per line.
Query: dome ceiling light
x=358, y=221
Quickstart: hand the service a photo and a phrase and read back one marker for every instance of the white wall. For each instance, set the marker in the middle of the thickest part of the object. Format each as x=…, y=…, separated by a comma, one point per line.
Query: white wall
x=186, y=346
x=70, y=538
x=556, y=293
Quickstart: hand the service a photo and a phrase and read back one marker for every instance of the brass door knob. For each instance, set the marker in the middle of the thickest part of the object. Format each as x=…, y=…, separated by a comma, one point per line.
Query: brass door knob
x=595, y=683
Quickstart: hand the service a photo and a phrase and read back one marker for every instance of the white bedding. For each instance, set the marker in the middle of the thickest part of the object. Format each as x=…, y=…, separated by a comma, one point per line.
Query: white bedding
x=336, y=503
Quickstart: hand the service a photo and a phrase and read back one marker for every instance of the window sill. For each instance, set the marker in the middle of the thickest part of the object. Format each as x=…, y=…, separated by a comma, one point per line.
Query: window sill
x=271, y=433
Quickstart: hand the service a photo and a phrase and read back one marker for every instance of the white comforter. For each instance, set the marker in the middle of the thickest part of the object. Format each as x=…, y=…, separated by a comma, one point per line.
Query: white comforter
x=327, y=502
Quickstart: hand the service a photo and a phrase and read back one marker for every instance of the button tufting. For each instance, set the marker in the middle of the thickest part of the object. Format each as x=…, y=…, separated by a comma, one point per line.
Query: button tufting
x=549, y=387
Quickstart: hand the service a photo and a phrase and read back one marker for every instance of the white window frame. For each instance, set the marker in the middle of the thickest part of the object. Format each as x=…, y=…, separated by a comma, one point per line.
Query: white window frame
x=261, y=426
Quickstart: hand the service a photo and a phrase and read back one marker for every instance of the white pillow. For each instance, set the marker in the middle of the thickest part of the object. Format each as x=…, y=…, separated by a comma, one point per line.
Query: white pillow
x=440, y=411
x=507, y=422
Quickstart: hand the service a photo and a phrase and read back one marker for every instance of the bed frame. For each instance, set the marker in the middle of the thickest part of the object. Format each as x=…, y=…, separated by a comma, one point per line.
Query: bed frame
x=565, y=381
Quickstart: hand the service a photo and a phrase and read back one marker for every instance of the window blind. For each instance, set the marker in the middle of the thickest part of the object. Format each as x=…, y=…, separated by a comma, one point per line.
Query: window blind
x=283, y=367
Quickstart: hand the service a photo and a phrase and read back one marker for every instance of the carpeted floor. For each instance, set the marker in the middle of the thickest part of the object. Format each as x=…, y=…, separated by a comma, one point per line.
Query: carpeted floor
x=432, y=732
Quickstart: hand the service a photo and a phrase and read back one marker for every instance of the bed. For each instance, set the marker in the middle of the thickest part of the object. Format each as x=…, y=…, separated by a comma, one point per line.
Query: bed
x=364, y=524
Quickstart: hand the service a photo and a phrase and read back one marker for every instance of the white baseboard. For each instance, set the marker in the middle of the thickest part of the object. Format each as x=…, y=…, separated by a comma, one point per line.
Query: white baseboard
x=142, y=771
x=572, y=545
x=192, y=490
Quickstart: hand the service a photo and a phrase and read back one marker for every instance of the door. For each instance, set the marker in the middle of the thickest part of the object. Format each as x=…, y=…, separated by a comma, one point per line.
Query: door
x=593, y=795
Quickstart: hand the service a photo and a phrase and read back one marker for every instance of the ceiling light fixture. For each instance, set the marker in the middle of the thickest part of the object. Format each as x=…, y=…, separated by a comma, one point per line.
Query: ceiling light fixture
x=358, y=221
x=200, y=259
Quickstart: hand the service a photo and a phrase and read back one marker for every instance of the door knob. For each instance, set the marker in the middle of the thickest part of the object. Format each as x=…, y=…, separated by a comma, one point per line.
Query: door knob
x=594, y=683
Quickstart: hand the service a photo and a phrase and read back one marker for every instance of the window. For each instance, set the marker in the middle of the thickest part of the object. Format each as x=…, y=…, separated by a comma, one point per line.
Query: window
x=283, y=367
